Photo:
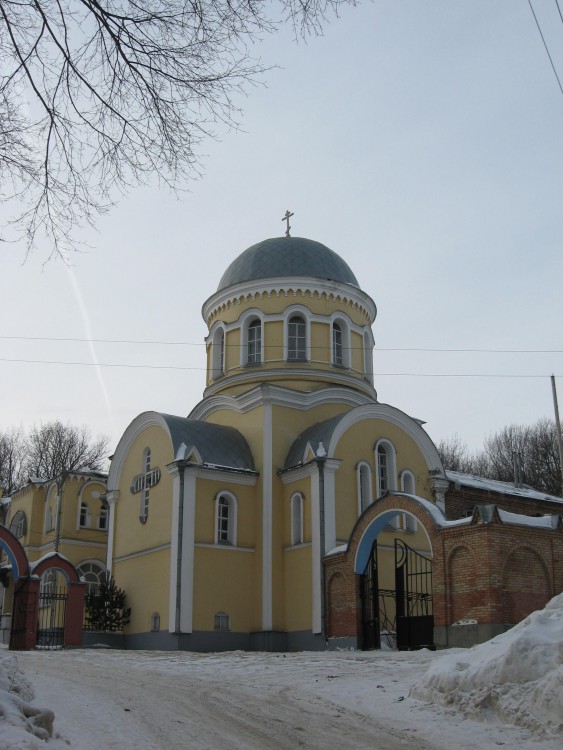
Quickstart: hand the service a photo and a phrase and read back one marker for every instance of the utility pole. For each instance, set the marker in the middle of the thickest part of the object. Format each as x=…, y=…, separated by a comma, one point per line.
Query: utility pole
x=558, y=426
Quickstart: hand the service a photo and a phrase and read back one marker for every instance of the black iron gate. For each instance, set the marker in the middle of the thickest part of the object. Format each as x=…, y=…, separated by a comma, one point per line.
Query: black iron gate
x=413, y=598
x=19, y=612
x=369, y=594
x=403, y=616
x=51, y=625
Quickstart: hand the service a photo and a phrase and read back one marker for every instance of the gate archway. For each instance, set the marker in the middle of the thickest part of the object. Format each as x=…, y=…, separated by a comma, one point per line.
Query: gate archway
x=386, y=589
x=26, y=599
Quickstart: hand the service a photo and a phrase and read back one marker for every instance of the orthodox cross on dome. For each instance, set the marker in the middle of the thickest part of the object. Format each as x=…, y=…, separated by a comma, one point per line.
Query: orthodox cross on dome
x=287, y=217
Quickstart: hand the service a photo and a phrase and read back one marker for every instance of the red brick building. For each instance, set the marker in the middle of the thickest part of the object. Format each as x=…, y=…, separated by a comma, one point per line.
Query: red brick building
x=496, y=556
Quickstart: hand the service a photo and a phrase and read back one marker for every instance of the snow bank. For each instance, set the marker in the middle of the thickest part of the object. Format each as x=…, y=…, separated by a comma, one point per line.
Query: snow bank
x=22, y=726
x=518, y=675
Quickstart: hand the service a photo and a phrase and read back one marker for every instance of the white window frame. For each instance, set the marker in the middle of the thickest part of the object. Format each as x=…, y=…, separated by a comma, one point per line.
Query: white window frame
x=103, y=515
x=408, y=482
x=218, y=353
x=301, y=338
x=365, y=491
x=296, y=518
x=228, y=538
x=253, y=323
x=368, y=355
x=345, y=346
x=91, y=572
x=391, y=464
x=84, y=517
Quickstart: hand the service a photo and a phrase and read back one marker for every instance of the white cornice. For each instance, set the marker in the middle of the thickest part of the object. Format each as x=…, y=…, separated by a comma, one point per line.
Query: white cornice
x=280, y=396
x=290, y=372
x=286, y=285
x=137, y=426
x=232, y=476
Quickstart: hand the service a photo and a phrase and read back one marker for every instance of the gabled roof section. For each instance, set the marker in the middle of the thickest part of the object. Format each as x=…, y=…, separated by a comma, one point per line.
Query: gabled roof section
x=311, y=438
x=216, y=444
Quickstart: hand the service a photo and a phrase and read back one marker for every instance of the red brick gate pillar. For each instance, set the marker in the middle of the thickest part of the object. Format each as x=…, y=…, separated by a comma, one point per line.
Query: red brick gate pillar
x=74, y=619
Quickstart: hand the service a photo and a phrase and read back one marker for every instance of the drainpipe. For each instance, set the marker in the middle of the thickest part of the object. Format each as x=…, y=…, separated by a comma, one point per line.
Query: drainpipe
x=60, y=484
x=181, y=468
x=320, y=461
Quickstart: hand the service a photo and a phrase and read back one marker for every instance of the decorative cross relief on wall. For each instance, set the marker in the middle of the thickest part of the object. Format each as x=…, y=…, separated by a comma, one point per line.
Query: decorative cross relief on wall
x=143, y=482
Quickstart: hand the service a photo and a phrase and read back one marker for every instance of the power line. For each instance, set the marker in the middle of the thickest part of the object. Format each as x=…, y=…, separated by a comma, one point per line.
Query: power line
x=180, y=367
x=142, y=342
x=559, y=9
x=545, y=43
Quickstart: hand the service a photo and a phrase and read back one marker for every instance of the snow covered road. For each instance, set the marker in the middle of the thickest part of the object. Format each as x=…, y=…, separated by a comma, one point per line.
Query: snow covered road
x=252, y=701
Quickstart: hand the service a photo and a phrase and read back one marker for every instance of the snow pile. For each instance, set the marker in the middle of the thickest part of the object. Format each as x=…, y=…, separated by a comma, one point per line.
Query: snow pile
x=517, y=675
x=22, y=726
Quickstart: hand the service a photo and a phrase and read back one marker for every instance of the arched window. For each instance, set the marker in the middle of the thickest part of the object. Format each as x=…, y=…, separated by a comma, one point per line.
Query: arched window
x=385, y=463
x=218, y=354
x=48, y=518
x=225, y=519
x=337, y=356
x=18, y=526
x=407, y=482
x=368, y=357
x=363, y=472
x=297, y=518
x=91, y=572
x=254, y=343
x=296, y=339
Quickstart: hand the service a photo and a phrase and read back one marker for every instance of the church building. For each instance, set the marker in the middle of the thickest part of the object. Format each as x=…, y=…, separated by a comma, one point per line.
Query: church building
x=219, y=521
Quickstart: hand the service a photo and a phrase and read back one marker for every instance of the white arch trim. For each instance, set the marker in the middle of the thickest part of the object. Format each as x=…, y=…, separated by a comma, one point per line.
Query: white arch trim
x=138, y=425
x=399, y=419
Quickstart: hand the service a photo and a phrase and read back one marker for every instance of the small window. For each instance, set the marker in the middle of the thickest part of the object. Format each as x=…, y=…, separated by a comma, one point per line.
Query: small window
x=49, y=518
x=218, y=354
x=407, y=482
x=103, y=518
x=337, y=356
x=155, y=622
x=296, y=339
x=18, y=527
x=297, y=518
x=385, y=462
x=225, y=527
x=84, y=520
x=254, y=345
x=364, y=486
x=221, y=621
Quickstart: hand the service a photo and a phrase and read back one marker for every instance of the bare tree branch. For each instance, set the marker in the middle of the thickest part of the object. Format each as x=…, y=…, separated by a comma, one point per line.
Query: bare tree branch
x=102, y=95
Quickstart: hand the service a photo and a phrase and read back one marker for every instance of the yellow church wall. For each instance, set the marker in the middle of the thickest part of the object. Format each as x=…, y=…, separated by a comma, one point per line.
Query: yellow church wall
x=298, y=593
x=145, y=580
x=357, y=352
x=134, y=535
x=224, y=581
x=206, y=493
x=358, y=445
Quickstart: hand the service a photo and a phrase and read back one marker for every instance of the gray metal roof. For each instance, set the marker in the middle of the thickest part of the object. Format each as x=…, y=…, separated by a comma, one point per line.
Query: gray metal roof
x=321, y=432
x=287, y=256
x=218, y=445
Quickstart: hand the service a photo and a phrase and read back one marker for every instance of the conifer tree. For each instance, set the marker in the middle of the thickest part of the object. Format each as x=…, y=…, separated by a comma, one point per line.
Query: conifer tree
x=105, y=607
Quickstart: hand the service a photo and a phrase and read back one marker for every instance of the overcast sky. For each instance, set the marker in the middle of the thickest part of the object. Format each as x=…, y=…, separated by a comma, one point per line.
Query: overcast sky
x=419, y=139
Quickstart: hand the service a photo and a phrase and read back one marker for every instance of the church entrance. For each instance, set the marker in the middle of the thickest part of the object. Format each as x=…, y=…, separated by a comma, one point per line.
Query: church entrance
x=401, y=617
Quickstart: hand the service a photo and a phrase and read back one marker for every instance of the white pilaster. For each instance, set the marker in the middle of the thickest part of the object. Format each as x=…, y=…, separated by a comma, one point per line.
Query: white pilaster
x=186, y=494
x=111, y=497
x=267, y=516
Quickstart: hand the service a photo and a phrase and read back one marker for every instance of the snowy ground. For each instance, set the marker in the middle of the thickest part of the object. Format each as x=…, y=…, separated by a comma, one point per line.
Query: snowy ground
x=508, y=692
